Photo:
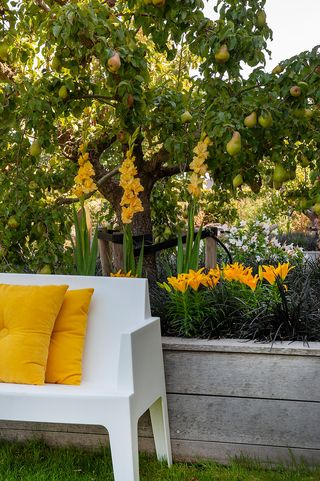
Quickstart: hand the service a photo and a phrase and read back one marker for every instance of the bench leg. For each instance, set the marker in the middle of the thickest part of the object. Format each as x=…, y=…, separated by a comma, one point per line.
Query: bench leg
x=160, y=428
x=124, y=450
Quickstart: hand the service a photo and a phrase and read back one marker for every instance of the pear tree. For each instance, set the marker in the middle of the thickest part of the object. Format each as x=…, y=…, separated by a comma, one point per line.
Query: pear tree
x=95, y=72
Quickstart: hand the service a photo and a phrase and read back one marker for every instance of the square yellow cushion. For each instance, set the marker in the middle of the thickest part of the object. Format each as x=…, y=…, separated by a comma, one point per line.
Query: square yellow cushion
x=67, y=340
x=27, y=316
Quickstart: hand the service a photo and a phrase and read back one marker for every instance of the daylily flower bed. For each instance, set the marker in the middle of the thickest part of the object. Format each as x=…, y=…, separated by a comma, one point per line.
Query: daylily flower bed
x=235, y=301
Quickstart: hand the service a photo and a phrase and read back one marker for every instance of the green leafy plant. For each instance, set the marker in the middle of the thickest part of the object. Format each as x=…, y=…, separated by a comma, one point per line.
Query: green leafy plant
x=85, y=246
x=129, y=261
x=257, y=242
x=188, y=257
x=278, y=303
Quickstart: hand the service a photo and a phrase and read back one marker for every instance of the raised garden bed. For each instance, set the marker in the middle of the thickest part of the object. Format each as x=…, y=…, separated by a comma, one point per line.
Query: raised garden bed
x=226, y=398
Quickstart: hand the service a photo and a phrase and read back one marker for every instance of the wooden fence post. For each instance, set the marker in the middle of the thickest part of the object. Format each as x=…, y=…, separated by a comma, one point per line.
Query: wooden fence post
x=105, y=256
x=211, y=253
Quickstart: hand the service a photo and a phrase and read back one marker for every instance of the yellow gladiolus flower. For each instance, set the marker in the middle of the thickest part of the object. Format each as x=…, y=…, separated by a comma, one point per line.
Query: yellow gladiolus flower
x=83, y=179
x=126, y=215
x=198, y=166
x=130, y=202
x=88, y=186
x=194, y=190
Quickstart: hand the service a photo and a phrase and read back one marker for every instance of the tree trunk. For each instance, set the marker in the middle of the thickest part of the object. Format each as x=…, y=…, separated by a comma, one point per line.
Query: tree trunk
x=142, y=224
x=315, y=225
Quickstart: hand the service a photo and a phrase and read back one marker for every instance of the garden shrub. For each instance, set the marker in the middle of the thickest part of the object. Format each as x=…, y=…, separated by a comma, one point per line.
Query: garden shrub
x=258, y=242
x=275, y=303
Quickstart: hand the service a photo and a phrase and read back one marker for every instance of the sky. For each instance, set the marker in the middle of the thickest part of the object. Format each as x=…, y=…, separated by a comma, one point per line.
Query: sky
x=295, y=25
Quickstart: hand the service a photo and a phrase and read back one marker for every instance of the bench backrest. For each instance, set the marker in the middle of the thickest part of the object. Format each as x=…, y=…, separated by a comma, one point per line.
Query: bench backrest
x=118, y=304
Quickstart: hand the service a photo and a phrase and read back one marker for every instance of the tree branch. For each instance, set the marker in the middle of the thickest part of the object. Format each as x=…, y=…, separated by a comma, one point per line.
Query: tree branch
x=172, y=170
x=43, y=5
x=103, y=98
x=72, y=200
x=6, y=73
x=107, y=176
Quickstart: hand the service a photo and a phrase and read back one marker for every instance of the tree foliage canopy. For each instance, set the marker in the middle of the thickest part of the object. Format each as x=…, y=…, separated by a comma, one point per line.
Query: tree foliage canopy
x=54, y=65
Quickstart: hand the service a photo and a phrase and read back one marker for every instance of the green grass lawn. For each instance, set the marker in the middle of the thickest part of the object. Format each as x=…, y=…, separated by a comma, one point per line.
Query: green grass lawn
x=37, y=462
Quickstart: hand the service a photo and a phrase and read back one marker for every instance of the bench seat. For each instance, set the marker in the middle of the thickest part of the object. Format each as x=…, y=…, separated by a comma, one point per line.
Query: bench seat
x=123, y=372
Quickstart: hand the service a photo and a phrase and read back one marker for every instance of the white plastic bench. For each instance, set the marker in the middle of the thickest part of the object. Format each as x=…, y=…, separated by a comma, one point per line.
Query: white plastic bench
x=123, y=373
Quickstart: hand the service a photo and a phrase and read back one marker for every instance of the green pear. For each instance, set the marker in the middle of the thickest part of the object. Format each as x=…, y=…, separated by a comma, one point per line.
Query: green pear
x=316, y=208
x=114, y=62
x=13, y=223
x=35, y=148
x=222, y=55
x=304, y=161
x=237, y=181
x=277, y=185
x=167, y=232
x=56, y=63
x=4, y=51
x=186, y=117
x=295, y=91
x=234, y=145
x=63, y=92
x=265, y=120
x=46, y=269
x=308, y=113
x=33, y=185
x=277, y=69
x=303, y=203
x=280, y=174
x=261, y=18
x=251, y=120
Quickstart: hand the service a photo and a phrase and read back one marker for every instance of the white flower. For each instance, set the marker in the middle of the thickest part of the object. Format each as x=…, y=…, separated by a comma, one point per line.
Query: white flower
x=224, y=227
x=238, y=243
x=258, y=258
x=274, y=242
x=233, y=230
x=244, y=248
x=243, y=223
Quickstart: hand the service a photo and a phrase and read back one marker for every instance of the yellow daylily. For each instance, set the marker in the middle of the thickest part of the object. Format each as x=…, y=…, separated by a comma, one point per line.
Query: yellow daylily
x=271, y=273
x=179, y=283
x=196, y=278
x=213, y=277
x=121, y=274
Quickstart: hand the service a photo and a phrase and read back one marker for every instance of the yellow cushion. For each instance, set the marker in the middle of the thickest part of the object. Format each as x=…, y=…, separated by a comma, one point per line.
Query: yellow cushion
x=67, y=340
x=27, y=316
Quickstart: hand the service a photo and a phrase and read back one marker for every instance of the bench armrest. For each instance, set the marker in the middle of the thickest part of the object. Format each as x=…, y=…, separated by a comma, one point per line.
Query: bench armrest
x=141, y=361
